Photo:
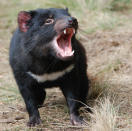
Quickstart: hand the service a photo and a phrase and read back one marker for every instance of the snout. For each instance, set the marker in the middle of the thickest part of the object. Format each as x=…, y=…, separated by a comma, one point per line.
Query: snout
x=65, y=22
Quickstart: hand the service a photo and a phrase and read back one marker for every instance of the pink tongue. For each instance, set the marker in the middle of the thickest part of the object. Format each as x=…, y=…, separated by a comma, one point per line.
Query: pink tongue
x=64, y=45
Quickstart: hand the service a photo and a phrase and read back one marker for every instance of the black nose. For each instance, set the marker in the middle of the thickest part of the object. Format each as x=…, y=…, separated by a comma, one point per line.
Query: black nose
x=72, y=20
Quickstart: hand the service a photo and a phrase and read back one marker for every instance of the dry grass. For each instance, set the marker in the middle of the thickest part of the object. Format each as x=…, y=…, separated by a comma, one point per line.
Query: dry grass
x=106, y=34
x=104, y=116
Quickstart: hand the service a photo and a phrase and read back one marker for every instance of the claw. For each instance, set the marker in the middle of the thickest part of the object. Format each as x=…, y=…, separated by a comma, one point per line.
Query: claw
x=77, y=120
x=33, y=121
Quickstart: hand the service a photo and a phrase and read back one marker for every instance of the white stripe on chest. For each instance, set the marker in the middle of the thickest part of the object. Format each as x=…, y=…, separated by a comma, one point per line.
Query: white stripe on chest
x=51, y=76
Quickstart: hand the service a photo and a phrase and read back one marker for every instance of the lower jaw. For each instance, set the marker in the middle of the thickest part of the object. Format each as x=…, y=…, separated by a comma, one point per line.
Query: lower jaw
x=65, y=58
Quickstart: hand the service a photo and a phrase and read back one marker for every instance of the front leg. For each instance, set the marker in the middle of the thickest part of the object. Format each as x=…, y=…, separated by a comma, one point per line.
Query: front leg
x=75, y=90
x=31, y=106
x=27, y=88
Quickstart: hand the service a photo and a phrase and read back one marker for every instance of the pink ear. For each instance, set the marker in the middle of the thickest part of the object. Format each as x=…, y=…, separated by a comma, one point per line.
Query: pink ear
x=23, y=18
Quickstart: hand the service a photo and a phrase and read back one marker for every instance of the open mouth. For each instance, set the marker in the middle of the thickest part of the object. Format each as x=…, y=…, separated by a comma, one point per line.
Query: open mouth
x=64, y=43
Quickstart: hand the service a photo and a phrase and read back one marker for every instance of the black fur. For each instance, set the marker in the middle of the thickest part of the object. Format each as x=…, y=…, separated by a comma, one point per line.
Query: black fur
x=30, y=51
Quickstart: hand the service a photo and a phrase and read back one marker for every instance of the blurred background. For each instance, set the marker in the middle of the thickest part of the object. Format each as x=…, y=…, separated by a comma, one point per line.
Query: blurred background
x=105, y=30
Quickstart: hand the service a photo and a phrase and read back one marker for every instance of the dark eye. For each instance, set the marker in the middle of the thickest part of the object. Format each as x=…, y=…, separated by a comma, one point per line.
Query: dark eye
x=49, y=21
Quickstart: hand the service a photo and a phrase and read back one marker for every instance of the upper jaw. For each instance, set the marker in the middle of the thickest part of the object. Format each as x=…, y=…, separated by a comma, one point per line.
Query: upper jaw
x=65, y=31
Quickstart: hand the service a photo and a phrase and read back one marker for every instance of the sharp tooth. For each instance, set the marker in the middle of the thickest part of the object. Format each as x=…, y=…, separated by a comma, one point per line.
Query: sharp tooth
x=65, y=31
x=74, y=31
x=71, y=53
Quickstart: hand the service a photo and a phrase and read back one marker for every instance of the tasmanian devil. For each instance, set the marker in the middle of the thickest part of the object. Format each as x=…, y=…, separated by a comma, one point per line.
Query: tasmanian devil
x=44, y=53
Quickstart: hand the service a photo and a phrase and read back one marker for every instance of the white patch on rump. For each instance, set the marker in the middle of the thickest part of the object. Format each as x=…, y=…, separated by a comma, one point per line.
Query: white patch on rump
x=51, y=76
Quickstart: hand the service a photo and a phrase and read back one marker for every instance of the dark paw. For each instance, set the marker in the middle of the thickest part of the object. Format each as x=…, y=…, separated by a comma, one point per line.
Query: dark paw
x=33, y=121
x=77, y=120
